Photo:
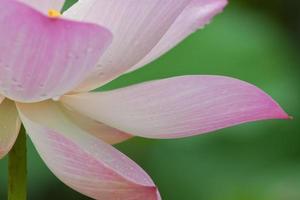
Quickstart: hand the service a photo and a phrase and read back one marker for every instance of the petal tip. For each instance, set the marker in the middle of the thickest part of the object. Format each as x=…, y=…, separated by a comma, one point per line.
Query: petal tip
x=277, y=112
x=284, y=115
x=154, y=193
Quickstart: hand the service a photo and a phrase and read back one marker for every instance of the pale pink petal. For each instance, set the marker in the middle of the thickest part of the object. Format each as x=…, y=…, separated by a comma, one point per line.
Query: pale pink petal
x=40, y=57
x=45, y=5
x=178, y=107
x=9, y=126
x=196, y=15
x=82, y=161
x=100, y=130
x=137, y=27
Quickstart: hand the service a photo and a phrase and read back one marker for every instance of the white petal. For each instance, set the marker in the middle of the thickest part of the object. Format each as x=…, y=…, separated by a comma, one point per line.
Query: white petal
x=137, y=26
x=196, y=15
x=107, y=134
x=178, y=107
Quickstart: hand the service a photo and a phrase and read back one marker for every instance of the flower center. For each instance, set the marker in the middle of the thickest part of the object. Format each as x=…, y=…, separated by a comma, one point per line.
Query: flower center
x=52, y=13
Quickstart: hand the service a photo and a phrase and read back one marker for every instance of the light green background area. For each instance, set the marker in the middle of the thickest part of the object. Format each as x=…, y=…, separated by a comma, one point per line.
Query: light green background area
x=256, y=161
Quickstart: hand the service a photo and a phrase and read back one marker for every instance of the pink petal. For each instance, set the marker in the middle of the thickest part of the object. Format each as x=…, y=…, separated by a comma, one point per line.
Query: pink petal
x=100, y=130
x=137, y=27
x=40, y=57
x=196, y=15
x=82, y=161
x=9, y=126
x=178, y=107
x=45, y=5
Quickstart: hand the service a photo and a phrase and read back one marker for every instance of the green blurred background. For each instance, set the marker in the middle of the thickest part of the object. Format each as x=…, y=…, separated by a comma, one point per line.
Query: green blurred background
x=253, y=40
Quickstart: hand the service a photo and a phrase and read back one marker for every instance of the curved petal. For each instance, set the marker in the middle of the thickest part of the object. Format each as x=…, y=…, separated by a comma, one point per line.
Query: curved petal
x=45, y=5
x=82, y=161
x=137, y=27
x=100, y=130
x=196, y=15
x=42, y=57
x=9, y=126
x=178, y=107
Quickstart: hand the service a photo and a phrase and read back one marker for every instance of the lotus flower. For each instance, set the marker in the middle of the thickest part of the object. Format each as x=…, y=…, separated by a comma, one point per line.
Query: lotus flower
x=50, y=63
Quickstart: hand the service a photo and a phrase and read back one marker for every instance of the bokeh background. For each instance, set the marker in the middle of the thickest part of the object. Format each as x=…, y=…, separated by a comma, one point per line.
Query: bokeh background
x=253, y=40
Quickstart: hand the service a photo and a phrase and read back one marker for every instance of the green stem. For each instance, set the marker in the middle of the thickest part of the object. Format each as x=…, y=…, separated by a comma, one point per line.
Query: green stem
x=17, y=169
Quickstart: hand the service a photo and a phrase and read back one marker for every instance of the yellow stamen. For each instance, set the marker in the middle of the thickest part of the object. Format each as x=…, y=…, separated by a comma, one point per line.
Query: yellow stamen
x=52, y=13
